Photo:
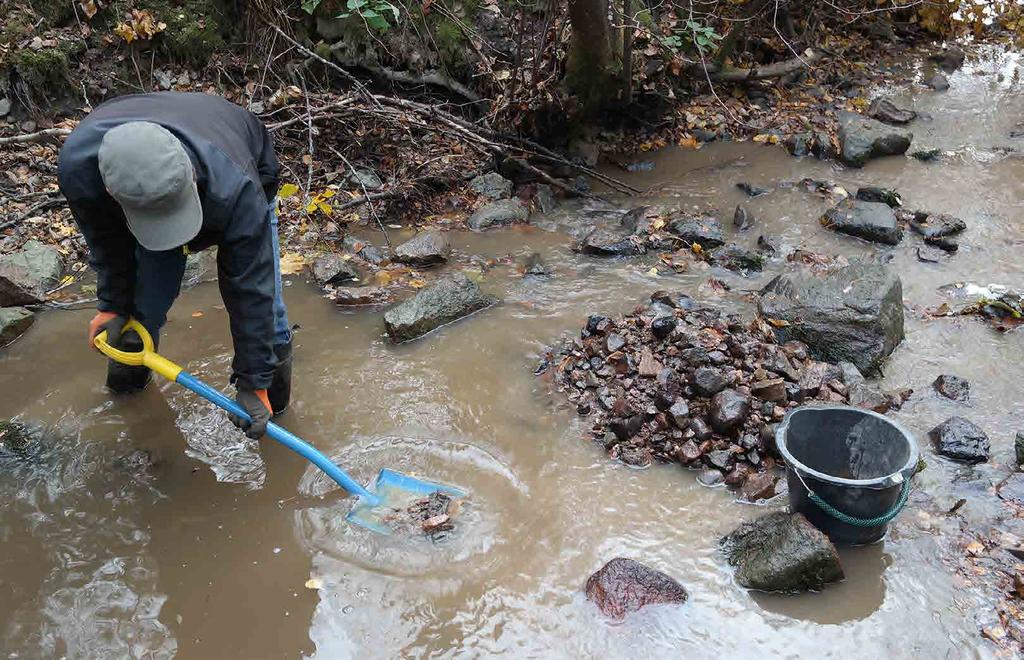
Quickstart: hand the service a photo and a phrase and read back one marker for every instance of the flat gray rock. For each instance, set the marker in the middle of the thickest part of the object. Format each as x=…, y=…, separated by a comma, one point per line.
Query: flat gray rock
x=862, y=138
x=704, y=231
x=872, y=221
x=498, y=214
x=427, y=248
x=28, y=273
x=853, y=314
x=332, y=268
x=448, y=300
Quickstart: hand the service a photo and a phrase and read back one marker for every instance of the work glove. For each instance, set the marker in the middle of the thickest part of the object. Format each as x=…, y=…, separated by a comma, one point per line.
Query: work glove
x=256, y=403
x=109, y=321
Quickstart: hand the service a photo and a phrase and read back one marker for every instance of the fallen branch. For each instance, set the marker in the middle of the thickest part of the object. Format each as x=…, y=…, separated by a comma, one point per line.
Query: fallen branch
x=777, y=70
x=38, y=136
x=38, y=206
x=434, y=78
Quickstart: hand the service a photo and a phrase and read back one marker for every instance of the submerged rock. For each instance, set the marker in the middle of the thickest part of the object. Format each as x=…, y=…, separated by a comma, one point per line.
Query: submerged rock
x=926, y=155
x=799, y=144
x=704, y=231
x=427, y=248
x=28, y=273
x=14, y=321
x=498, y=214
x=534, y=265
x=878, y=194
x=886, y=111
x=853, y=314
x=949, y=59
x=448, y=300
x=938, y=225
x=607, y=243
x=1018, y=447
x=752, y=190
x=938, y=82
x=625, y=585
x=742, y=218
x=952, y=387
x=782, y=552
x=492, y=186
x=961, y=440
x=862, y=139
x=332, y=268
x=872, y=221
x=364, y=250
x=734, y=257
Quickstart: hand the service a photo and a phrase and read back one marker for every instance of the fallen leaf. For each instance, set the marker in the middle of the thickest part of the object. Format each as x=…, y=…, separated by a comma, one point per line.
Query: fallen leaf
x=89, y=8
x=287, y=190
x=314, y=583
x=292, y=263
x=778, y=323
x=975, y=548
x=197, y=315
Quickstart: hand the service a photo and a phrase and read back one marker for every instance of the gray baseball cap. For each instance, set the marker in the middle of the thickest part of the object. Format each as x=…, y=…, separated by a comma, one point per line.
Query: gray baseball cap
x=146, y=169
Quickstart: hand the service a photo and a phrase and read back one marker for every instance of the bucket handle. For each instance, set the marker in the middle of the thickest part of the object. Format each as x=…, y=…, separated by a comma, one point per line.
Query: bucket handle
x=901, y=501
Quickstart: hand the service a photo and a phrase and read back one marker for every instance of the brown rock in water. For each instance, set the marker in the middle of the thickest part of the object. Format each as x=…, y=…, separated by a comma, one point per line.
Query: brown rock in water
x=359, y=295
x=760, y=486
x=625, y=585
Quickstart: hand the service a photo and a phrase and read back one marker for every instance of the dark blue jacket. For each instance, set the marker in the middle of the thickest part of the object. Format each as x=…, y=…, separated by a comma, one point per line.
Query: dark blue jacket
x=237, y=176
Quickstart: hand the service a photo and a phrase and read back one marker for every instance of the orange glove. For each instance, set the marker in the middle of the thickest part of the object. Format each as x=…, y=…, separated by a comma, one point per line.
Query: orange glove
x=256, y=403
x=109, y=321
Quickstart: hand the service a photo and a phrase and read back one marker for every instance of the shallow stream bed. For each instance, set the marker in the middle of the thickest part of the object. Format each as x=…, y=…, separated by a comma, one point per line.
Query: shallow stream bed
x=214, y=547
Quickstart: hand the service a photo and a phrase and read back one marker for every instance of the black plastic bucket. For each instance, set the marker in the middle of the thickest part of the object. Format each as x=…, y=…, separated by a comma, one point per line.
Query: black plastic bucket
x=848, y=469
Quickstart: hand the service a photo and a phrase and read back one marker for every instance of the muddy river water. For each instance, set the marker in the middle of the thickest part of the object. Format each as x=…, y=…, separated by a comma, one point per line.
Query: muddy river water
x=210, y=546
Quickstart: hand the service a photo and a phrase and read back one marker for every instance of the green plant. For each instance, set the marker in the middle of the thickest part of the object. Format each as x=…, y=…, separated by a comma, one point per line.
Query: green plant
x=701, y=37
x=373, y=12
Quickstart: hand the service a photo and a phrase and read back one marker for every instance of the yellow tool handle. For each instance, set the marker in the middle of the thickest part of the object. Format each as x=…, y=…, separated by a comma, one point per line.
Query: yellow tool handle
x=147, y=357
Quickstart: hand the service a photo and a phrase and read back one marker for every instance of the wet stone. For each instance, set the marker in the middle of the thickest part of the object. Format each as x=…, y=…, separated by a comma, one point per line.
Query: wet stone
x=862, y=139
x=949, y=59
x=364, y=250
x=663, y=400
x=759, y=486
x=663, y=326
x=334, y=269
x=721, y=459
x=708, y=382
x=937, y=82
x=735, y=257
x=782, y=552
x=729, y=409
x=961, y=440
x=886, y=111
x=360, y=295
x=497, y=214
x=952, y=387
x=742, y=218
x=448, y=300
x=886, y=196
x=1018, y=447
x=14, y=321
x=614, y=342
x=704, y=231
x=773, y=389
x=625, y=585
x=752, y=190
x=607, y=243
x=872, y=221
x=679, y=413
x=701, y=431
x=799, y=144
x=26, y=274
x=710, y=477
x=633, y=456
x=598, y=324
x=534, y=265
x=937, y=225
x=688, y=452
x=427, y=248
x=927, y=155
x=1012, y=489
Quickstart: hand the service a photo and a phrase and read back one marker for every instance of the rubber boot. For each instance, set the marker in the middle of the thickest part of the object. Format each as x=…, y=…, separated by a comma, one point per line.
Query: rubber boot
x=280, y=391
x=125, y=379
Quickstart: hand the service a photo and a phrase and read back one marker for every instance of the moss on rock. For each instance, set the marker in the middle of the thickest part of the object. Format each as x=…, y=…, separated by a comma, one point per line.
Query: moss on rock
x=43, y=72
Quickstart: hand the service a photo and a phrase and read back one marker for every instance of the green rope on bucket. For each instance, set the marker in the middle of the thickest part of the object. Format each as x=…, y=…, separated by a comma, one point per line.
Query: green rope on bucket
x=861, y=522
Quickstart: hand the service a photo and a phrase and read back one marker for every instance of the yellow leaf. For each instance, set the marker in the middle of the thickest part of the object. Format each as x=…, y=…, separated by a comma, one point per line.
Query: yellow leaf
x=778, y=323
x=765, y=138
x=67, y=279
x=314, y=583
x=292, y=263
x=383, y=277
x=652, y=271
x=697, y=249
x=658, y=223
x=287, y=190
x=126, y=32
x=325, y=208
x=197, y=315
x=689, y=143
x=89, y=8
x=327, y=194
x=417, y=284
x=311, y=207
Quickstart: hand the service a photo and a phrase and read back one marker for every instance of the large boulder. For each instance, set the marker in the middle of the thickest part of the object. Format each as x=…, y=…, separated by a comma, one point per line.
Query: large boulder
x=961, y=440
x=28, y=273
x=427, y=248
x=14, y=321
x=853, y=314
x=492, y=186
x=449, y=300
x=862, y=138
x=625, y=585
x=872, y=221
x=782, y=552
x=704, y=231
x=498, y=214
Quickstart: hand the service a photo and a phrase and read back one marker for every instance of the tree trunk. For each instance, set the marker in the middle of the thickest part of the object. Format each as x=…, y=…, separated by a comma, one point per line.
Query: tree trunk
x=589, y=72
